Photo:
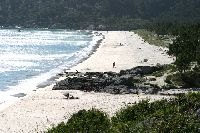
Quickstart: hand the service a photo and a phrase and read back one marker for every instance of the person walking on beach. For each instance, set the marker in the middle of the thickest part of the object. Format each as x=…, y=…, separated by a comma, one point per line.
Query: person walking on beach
x=113, y=64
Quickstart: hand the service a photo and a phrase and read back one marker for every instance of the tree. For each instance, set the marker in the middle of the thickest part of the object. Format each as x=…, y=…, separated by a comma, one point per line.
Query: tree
x=186, y=47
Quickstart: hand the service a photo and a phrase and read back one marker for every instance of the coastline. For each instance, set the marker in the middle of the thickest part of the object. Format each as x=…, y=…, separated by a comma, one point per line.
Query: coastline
x=46, y=107
x=95, y=43
x=127, y=50
x=46, y=79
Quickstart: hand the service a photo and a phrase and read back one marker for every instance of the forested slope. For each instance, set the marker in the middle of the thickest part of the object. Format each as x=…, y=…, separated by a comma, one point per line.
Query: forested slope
x=109, y=13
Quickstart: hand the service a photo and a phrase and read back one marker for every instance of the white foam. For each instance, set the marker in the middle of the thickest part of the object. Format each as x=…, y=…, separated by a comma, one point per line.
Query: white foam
x=27, y=86
x=30, y=57
x=12, y=37
x=87, y=50
x=3, y=69
x=37, y=41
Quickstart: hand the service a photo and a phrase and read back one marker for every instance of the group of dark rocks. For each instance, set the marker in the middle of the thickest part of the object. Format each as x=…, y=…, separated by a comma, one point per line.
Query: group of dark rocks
x=129, y=81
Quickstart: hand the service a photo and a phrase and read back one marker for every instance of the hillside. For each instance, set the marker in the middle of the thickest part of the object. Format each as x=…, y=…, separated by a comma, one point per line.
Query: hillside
x=79, y=14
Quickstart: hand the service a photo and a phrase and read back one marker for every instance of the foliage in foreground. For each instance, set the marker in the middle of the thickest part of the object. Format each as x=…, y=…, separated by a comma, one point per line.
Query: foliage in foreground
x=91, y=121
x=181, y=114
x=175, y=115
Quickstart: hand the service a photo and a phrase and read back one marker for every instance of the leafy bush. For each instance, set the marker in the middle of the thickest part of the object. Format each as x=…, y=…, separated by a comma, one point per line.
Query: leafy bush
x=186, y=47
x=176, y=115
x=60, y=128
x=131, y=118
x=170, y=68
x=91, y=121
x=189, y=79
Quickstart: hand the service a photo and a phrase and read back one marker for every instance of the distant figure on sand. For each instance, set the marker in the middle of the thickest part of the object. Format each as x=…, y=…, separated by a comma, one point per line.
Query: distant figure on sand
x=113, y=64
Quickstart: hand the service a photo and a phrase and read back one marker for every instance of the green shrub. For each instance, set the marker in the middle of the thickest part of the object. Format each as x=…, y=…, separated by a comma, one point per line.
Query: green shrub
x=61, y=128
x=175, y=115
x=170, y=68
x=158, y=74
x=189, y=79
x=91, y=121
x=168, y=79
x=138, y=112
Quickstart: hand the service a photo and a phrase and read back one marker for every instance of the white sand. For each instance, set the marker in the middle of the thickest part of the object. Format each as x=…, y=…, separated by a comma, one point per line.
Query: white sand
x=131, y=54
x=45, y=107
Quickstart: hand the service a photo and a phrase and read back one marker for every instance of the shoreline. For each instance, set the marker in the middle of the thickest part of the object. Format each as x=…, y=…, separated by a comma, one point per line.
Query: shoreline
x=94, y=48
x=48, y=79
x=46, y=107
x=127, y=50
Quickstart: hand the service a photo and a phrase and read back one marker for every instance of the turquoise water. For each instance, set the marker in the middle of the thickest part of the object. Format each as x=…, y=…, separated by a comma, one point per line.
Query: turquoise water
x=39, y=54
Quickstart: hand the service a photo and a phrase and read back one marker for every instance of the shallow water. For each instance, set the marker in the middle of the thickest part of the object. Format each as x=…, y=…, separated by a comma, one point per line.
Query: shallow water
x=31, y=56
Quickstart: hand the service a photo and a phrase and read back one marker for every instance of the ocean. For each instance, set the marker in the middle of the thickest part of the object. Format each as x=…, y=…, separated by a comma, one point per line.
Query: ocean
x=30, y=57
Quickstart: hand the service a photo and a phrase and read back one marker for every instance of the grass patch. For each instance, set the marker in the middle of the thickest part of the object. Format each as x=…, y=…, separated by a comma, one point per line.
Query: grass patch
x=166, y=69
x=153, y=38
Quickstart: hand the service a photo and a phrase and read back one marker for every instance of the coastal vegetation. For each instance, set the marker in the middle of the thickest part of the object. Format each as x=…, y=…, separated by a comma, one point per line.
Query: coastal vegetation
x=185, y=47
x=97, y=14
x=153, y=38
x=91, y=121
x=179, y=114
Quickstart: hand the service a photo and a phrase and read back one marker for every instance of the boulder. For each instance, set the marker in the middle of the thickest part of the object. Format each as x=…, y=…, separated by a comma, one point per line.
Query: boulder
x=142, y=70
x=139, y=91
x=145, y=60
x=133, y=91
x=117, y=89
x=151, y=91
x=122, y=72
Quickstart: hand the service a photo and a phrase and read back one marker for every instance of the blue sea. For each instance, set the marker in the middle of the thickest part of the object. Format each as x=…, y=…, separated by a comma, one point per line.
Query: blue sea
x=31, y=57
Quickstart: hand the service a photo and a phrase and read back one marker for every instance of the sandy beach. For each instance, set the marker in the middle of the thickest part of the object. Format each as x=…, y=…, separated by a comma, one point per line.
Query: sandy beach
x=46, y=107
x=131, y=53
